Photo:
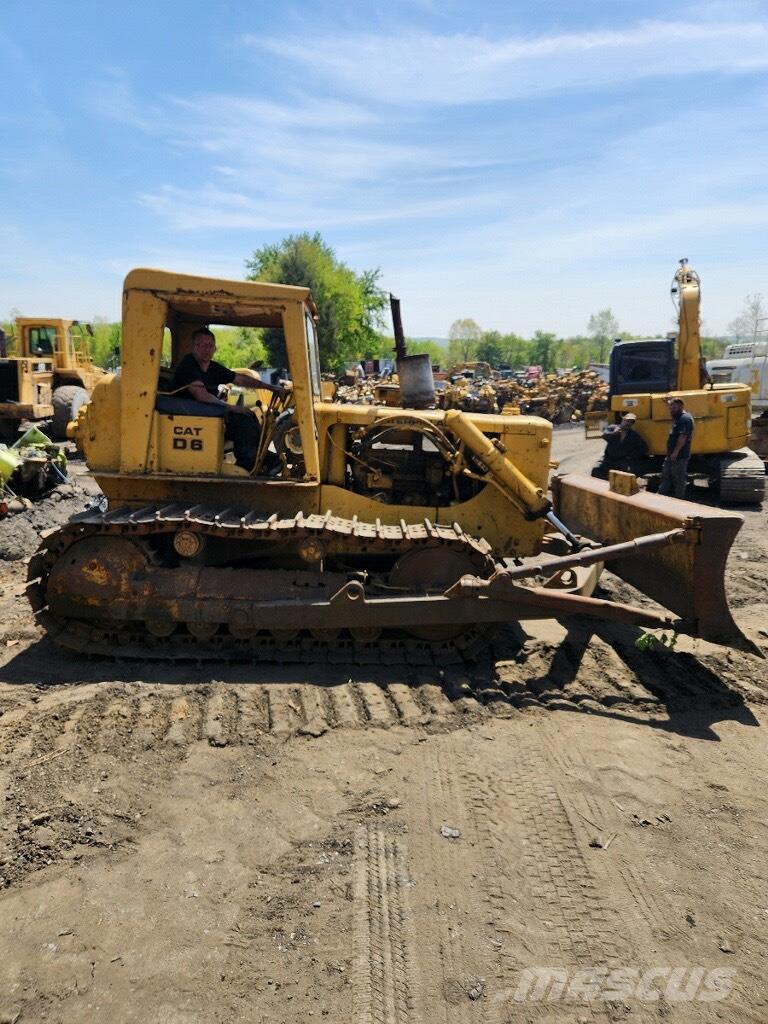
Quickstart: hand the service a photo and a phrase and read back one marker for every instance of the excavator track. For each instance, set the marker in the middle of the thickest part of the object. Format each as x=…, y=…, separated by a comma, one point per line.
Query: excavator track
x=742, y=478
x=83, y=621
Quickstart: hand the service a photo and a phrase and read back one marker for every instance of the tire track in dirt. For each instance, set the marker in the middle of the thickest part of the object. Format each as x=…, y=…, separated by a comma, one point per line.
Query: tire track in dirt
x=596, y=678
x=454, y=951
x=382, y=972
x=542, y=905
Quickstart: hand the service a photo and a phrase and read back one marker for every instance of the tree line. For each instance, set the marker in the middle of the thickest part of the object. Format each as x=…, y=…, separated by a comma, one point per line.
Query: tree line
x=352, y=316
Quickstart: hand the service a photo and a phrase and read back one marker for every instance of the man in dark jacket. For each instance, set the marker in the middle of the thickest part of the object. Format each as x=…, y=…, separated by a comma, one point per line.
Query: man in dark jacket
x=674, y=472
x=197, y=376
x=624, y=448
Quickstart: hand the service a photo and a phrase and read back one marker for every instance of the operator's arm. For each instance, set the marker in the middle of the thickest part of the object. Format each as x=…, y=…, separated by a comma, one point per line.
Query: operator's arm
x=198, y=391
x=200, y=394
x=245, y=380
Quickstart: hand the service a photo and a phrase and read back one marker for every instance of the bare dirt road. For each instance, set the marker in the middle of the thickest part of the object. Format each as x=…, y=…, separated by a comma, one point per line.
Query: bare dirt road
x=380, y=845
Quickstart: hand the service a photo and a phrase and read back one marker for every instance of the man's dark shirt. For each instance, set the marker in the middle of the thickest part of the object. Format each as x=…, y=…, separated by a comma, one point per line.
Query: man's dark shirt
x=620, y=454
x=188, y=371
x=682, y=425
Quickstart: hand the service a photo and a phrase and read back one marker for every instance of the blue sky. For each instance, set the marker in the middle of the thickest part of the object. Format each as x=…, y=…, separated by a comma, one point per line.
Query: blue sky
x=524, y=164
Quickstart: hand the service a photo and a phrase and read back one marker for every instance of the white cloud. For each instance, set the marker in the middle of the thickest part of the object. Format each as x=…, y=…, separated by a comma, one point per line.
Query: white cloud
x=213, y=208
x=477, y=213
x=232, y=111
x=280, y=166
x=415, y=67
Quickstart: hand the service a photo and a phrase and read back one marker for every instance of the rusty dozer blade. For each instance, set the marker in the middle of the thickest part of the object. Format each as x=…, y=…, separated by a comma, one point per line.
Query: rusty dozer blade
x=687, y=578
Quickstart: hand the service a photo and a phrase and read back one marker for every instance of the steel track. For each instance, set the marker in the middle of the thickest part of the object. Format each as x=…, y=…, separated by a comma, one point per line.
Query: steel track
x=742, y=478
x=351, y=538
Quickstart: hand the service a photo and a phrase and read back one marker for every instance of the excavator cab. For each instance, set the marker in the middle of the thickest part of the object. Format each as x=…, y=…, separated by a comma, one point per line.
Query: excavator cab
x=647, y=365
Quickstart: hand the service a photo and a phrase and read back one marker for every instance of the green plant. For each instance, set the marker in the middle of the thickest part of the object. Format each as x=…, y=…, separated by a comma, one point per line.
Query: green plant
x=648, y=641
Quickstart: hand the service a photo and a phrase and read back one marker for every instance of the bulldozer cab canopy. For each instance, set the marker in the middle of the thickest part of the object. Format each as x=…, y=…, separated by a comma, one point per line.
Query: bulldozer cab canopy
x=189, y=302
x=156, y=300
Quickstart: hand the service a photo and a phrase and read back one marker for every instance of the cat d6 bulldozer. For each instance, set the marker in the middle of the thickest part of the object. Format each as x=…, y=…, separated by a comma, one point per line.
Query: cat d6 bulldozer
x=362, y=532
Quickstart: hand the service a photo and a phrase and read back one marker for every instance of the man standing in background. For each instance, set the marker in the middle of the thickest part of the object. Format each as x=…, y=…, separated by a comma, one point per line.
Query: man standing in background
x=674, y=472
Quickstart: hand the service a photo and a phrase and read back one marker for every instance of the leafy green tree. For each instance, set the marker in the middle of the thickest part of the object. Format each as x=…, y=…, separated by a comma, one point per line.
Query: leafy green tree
x=713, y=348
x=380, y=346
x=105, y=343
x=604, y=328
x=517, y=351
x=9, y=328
x=239, y=347
x=490, y=348
x=349, y=305
x=436, y=353
x=579, y=352
x=384, y=348
x=544, y=350
x=463, y=337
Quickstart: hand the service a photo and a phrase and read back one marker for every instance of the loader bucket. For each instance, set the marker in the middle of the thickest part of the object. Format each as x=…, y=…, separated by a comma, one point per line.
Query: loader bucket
x=688, y=579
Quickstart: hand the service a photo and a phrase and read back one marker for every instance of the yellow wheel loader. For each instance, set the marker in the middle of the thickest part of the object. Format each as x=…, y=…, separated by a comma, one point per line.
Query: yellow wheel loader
x=49, y=376
x=362, y=532
x=644, y=375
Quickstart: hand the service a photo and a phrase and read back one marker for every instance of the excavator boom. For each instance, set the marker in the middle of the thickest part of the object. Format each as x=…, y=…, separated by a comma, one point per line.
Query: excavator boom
x=688, y=289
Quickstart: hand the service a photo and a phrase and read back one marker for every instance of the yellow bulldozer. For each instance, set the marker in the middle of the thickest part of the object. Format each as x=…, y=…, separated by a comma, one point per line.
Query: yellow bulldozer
x=48, y=376
x=645, y=374
x=362, y=532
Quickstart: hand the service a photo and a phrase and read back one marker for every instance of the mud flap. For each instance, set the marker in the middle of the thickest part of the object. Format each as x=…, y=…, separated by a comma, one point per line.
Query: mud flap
x=688, y=579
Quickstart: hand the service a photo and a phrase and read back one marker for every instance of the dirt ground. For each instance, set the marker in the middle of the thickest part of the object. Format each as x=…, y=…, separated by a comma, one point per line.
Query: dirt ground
x=251, y=843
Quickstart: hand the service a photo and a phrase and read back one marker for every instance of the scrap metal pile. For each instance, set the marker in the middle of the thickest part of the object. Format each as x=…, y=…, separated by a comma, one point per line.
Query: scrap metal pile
x=559, y=398
x=29, y=469
x=564, y=398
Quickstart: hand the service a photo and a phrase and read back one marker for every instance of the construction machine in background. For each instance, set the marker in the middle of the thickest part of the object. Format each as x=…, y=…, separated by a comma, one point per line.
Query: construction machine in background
x=644, y=375
x=49, y=375
x=473, y=371
x=746, y=362
x=362, y=532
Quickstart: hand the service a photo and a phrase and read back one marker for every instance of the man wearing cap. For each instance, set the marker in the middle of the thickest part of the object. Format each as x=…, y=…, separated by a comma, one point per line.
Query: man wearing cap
x=674, y=472
x=624, y=448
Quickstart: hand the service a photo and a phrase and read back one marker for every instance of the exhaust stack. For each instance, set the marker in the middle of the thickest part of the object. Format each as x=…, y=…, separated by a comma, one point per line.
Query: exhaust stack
x=417, y=385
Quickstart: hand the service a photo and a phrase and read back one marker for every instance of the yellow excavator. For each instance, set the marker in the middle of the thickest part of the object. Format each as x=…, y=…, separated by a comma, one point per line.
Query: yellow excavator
x=645, y=374
x=361, y=533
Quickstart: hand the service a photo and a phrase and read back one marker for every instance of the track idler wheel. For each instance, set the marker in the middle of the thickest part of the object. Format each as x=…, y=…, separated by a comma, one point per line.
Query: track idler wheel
x=160, y=626
x=432, y=570
x=93, y=576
